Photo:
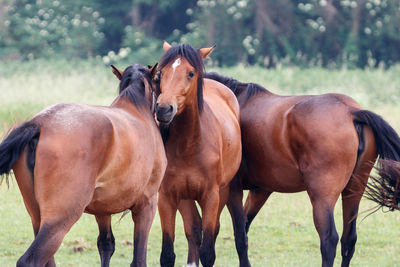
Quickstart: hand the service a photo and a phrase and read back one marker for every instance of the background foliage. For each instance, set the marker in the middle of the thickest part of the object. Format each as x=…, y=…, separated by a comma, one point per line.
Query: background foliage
x=328, y=33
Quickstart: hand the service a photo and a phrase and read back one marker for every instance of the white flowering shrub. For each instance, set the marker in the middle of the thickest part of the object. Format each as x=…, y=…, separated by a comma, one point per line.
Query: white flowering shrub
x=43, y=28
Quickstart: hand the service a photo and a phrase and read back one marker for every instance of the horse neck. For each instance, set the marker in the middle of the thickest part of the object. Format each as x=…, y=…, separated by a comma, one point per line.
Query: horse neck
x=185, y=129
x=243, y=93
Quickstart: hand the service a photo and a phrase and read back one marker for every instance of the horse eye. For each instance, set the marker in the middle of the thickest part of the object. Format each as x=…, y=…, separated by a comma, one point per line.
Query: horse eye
x=191, y=74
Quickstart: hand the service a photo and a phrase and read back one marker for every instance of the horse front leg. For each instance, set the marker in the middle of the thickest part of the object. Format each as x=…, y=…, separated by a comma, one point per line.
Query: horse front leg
x=235, y=207
x=167, y=210
x=210, y=208
x=105, y=240
x=143, y=219
x=192, y=224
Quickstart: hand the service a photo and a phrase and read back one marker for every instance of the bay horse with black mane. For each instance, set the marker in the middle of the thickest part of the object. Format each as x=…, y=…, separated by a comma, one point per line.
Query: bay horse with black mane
x=73, y=158
x=199, y=119
x=323, y=144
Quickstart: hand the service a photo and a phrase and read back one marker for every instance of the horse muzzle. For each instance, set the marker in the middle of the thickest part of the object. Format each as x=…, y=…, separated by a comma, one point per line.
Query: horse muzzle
x=165, y=113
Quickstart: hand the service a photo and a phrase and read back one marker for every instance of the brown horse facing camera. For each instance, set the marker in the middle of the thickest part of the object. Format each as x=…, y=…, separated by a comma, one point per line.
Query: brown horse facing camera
x=199, y=120
x=73, y=158
x=323, y=144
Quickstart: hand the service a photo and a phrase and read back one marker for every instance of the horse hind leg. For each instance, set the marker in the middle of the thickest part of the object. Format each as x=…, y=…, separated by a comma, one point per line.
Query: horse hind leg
x=192, y=225
x=25, y=183
x=105, y=240
x=323, y=203
x=348, y=240
x=351, y=197
x=352, y=193
x=254, y=202
x=235, y=207
x=143, y=219
x=47, y=241
x=61, y=205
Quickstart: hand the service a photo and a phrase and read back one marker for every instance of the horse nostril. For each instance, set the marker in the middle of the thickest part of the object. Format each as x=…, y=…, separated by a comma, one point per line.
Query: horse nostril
x=171, y=108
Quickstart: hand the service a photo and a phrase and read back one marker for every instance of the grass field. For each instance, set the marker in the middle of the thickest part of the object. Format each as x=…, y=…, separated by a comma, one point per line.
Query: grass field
x=282, y=234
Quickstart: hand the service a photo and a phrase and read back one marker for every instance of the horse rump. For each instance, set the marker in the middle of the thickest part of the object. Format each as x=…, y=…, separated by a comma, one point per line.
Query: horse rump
x=26, y=135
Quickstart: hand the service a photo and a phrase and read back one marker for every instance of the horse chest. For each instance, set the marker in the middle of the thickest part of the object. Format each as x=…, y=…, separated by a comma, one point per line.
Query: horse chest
x=185, y=182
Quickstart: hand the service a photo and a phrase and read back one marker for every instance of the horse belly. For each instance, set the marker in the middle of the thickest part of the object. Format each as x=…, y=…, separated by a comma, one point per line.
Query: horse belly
x=285, y=179
x=272, y=173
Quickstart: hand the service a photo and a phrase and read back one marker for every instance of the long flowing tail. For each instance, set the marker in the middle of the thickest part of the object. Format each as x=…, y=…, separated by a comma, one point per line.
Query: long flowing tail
x=14, y=144
x=384, y=187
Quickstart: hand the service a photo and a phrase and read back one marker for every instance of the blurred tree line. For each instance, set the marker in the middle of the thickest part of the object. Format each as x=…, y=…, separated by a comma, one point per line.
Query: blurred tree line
x=328, y=33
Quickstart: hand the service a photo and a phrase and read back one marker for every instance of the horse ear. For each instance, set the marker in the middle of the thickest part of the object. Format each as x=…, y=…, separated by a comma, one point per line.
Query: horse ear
x=118, y=73
x=166, y=46
x=153, y=70
x=205, y=52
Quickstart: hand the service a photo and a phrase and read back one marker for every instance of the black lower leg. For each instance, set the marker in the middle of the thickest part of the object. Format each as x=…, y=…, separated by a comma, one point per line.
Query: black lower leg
x=348, y=244
x=249, y=219
x=106, y=246
x=240, y=237
x=207, y=249
x=139, y=252
x=329, y=240
x=195, y=240
x=167, y=258
x=35, y=255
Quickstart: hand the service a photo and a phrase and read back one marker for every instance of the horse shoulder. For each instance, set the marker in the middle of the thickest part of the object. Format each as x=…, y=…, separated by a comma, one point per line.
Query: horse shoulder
x=225, y=140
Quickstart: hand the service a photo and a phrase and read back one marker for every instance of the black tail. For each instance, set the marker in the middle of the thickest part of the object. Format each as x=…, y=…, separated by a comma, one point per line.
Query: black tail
x=384, y=188
x=26, y=135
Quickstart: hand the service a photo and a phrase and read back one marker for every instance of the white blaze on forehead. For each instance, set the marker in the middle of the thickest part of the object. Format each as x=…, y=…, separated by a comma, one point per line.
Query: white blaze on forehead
x=176, y=63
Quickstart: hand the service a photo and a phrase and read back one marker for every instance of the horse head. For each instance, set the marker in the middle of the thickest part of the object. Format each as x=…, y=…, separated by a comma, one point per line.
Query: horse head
x=136, y=83
x=180, y=80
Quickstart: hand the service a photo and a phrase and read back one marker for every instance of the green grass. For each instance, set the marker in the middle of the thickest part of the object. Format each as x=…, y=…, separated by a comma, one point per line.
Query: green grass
x=282, y=234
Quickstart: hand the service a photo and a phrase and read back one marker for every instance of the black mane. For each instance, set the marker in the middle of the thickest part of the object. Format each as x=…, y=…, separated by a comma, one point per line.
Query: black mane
x=192, y=56
x=236, y=86
x=132, y=85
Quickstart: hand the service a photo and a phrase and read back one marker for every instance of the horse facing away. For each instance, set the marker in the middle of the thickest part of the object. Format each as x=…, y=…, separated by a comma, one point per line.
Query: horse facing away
x=323, y=144
x=200, y=123
x=73, y=158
